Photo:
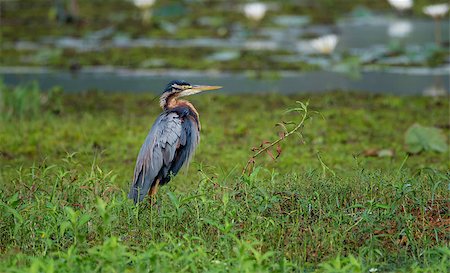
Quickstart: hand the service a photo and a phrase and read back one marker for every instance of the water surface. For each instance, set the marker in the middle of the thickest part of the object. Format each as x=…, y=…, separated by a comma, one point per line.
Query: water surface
x=394, y=81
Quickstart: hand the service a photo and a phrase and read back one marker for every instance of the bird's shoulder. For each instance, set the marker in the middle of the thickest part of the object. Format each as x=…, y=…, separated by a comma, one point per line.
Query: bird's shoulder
x=170, y=123
x=183, y=110
x=171, y=118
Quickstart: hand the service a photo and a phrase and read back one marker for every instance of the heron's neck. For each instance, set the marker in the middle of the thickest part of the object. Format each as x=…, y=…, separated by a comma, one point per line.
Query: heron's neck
x=172, y=101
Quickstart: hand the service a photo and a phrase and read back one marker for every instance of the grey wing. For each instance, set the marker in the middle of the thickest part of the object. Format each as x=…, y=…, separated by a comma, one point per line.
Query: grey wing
x=158, y=149
x=190, y=137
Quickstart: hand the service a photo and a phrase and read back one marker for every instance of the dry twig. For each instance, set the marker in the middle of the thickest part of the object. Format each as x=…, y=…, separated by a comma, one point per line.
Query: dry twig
x=265, y=146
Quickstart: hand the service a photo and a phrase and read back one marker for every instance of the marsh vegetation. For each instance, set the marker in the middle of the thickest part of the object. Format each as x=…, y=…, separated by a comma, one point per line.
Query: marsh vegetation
x=361, y=183
x=66, y=170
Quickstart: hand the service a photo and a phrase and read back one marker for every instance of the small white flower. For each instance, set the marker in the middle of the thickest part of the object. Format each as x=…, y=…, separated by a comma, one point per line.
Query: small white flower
x=325, y=44
x=436, y=11
x=373, y=269
x=401, y=4
x=255, y=11
x=400, y=29
x=144, y=4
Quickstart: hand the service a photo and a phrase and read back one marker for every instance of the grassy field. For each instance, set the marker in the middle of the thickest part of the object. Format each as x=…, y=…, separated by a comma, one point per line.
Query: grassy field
x=66, y=163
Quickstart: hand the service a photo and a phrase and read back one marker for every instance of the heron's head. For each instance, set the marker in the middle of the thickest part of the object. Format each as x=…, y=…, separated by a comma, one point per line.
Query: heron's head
x=179, y=88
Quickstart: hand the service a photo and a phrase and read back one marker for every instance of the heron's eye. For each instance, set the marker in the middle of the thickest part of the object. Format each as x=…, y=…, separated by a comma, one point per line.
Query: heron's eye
x=178, y=87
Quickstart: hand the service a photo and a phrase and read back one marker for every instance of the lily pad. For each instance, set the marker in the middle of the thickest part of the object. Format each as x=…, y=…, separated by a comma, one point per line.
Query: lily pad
x=420, y=138
x=291, y=20
x=222, y=56
x=170, y=11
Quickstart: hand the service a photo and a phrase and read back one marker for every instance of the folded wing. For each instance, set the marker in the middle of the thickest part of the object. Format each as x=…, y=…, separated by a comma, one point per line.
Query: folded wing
x=168, y=146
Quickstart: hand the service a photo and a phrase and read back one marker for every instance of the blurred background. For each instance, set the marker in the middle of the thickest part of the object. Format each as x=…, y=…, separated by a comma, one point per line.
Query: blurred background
x=359, y=183
x=395, y=46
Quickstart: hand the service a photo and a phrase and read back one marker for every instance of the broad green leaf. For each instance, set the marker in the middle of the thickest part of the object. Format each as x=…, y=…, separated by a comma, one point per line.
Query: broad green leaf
x=421, y=138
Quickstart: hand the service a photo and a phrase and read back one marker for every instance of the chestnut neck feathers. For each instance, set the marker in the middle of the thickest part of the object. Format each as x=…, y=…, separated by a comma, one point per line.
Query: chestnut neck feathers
x=170, y=101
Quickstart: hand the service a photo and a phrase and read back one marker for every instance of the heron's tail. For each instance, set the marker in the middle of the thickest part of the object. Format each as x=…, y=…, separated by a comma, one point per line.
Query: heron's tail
x=134, y=194
x=137, y=193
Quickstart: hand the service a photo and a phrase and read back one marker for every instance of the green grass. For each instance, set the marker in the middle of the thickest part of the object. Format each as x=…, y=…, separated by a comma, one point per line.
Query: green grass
x=64, y=176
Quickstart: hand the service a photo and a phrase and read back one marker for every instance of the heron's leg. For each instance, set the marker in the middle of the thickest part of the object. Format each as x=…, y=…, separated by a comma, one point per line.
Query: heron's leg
x=153, y=191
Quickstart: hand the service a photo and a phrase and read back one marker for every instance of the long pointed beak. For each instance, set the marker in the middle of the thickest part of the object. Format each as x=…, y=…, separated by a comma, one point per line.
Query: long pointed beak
x=201, y=88
x=195, y=89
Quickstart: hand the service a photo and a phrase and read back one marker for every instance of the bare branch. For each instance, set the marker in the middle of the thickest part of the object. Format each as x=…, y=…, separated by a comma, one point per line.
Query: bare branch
x=251, y=162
